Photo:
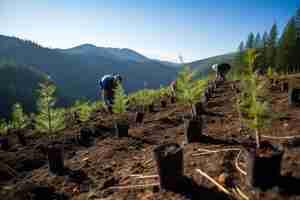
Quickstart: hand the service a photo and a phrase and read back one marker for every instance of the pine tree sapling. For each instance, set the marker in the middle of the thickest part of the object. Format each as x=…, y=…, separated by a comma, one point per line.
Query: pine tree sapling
x=19, y=119
x=84, y=110
x=143, y=98
x=120, y=104
x=19, y=122
x=49, y=119
x=255, y=108
x=188, y=90
x=264, y=161
x=4, y=127
x=119, y=108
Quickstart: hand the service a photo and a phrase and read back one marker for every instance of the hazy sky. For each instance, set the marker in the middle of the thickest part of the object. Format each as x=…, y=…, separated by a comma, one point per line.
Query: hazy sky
x=162, y=29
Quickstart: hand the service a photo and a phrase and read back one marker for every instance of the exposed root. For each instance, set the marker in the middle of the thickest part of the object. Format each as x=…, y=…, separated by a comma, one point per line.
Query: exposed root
x=280, y=138
x=237, y=164
x=207, y=151
x=239, y=192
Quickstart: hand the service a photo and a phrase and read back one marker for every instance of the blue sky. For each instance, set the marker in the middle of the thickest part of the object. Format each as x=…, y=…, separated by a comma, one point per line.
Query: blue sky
x=195, y=29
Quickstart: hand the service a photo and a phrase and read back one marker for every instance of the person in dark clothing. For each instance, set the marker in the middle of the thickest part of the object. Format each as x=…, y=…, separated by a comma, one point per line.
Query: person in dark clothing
x=108, y=84
x=221, y=71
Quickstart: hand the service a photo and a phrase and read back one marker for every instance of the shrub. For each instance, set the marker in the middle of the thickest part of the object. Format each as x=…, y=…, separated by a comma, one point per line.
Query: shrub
x=49, y=119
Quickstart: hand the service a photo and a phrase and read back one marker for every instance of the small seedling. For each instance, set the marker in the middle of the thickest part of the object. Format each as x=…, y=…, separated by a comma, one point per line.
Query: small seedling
x=4, y=126
x=189, y=91
x=19, y=119
x=119, y=107
x=49, y=119
x=143, y=98
x=120, y=100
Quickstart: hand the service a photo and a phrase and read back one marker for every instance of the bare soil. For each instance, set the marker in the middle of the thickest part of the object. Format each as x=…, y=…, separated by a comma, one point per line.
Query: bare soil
x=98, y=172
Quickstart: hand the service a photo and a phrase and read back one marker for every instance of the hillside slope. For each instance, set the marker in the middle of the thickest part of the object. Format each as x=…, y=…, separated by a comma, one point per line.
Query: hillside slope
x=204, y=65
x=77, y=75
x=18, y=84
x=116, y=168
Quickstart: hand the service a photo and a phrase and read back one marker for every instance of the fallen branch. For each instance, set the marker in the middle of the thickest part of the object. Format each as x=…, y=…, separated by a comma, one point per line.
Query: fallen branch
x=8, y=169
x=241, y=193
x=140, y=176
x=281, y=137
x=206, y=151
x=213, y=181
x=147, y=162
x=237, y=164
x=133, y=186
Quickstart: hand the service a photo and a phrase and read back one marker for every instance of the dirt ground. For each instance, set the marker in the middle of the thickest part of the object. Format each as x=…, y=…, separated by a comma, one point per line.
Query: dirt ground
x=115, y=168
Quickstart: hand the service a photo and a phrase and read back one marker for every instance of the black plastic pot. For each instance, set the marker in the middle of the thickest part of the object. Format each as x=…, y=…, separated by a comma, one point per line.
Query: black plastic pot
x=169, y=160
x=193, y=130
x=4, y=143
x=56, y=158
x=21, y=138
x=139, y=118
x=173, y=99
x=121, y=128
x=263, y=171
x=204, y=99
x=151, y=108
x=294, y=96
x=163, y=103
x=86, y=136
x=285, y=87
x=198, y=109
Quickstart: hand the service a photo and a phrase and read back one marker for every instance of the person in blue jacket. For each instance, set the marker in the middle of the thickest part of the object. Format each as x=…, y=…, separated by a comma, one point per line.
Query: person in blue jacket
x=108, y=83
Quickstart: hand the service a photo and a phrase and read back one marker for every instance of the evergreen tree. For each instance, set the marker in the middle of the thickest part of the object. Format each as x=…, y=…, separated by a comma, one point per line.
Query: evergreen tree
x=258, y=41
x=19, y=119
x=288, y=58
x=264, y=50
x=250, y=41
x=241, y=53
x=272, y=46
x=49, y=119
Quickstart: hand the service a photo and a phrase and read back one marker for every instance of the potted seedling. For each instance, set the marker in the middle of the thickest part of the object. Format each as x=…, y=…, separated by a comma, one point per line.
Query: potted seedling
x=143, y=99
x=4, y=126
x=119, y=108
x=169, y=161
x=19, y=122
x=264, y=159
x=84, y=110
x=188, y=93
x=153, y=96
x=164, y=93
x=51, y=121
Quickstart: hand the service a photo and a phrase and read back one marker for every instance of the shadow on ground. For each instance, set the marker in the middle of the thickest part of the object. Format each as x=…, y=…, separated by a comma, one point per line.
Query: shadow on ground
x=191, y=190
